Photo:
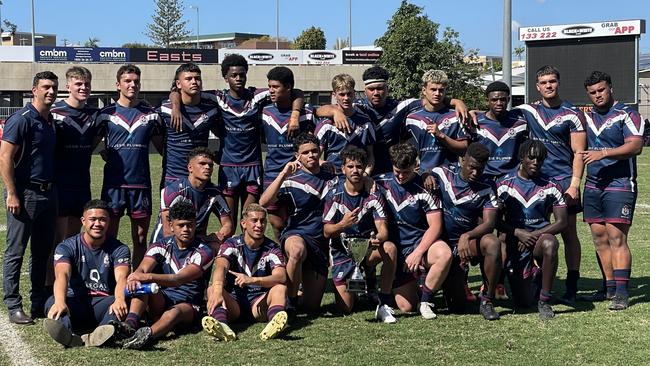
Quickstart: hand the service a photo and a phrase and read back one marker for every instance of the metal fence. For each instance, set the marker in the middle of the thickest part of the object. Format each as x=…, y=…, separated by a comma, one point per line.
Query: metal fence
x=7, y=111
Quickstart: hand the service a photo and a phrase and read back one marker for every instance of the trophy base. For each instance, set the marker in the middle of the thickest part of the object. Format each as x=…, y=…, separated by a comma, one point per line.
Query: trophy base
x=356, y=286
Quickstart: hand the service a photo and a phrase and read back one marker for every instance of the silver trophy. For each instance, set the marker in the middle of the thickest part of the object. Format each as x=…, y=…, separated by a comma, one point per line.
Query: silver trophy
x=357, y=249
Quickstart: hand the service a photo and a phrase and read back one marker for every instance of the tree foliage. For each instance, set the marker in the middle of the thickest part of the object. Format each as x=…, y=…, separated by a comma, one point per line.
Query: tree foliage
x=519, y=51
x=135, y=45
x=312, y=38
x=92, y=42
x=341, y=43
x=411, y=46
x=9, y=26
x=166, y=25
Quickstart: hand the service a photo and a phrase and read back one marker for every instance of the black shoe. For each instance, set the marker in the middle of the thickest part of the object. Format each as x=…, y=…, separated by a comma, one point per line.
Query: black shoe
x=568, y=299
x=292, y=313
x=122, y=329
x=61, y=334
x=37, y=314
x=140, y=339
x=19, y=317
x=545, y=310
x=487, y=310
x=619, y=303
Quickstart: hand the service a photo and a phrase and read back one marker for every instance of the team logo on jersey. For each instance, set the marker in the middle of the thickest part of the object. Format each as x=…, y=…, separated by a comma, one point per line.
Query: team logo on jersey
x=58, y=256
x=261, y=263
x=512, y=132
x=106, y=260
x=625, y=211
x=83, y=258
x=411, y=200
x=540, y=193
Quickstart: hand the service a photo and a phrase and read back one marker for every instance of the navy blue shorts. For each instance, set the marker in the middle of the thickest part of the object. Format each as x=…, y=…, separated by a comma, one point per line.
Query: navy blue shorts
x=72, y=201
x=85, y=312
x=246, y=300
x=317, y=252
x=564, y=184
x=172, y=298
x=236, y=179
x=403, y=277
x=136, y=201
x=609, y=206
x=342, y=266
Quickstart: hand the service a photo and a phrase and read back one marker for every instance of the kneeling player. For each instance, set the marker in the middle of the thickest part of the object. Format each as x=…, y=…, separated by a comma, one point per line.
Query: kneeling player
x=249, y=281
x=416, y=212
x=185, y=263
x=467, y=199
x=350, y=210
x=530, y=237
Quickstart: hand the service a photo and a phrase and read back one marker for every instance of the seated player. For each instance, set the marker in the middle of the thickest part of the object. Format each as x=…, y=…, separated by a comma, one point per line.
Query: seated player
x=301, y=186
x=416, y=214
x=206, y=198
x=332, y=139
x=90, y=276
x=248, y=281
x=350, y=209
x=527, y=198
x=470, y=215
x=180, y=265
x=278, y=134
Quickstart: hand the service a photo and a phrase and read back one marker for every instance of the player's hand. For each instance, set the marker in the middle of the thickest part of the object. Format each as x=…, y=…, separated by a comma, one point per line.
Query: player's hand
x=293, y=128
x=572, y=195
x=432, y=128
x=589, y=157
x=215, y=298
x=241, y=279
x=350, y=218
x=413, y=262
x=369, y=184
x=430, y=182
x=119, y=308
x=462, y=113
x=13, y=204
x=177, y=118
x=57, y=310
x=373, y=241
x=291, y=167
x=341, y=121
x=527, y=238
x=463, y=248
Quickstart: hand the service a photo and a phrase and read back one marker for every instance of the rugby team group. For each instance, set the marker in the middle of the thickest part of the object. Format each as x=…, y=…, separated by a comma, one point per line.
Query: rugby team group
x=428, y=188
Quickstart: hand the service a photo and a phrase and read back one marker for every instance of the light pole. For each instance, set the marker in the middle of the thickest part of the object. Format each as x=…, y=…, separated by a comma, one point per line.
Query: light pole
x=33, y=27
x=507, y=45
x=197, y=24
x=277, y=24
x=350, y=25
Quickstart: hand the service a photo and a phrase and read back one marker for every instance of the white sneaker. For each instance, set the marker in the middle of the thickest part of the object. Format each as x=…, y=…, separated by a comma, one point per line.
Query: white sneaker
x=385, y=314
x=426, y=310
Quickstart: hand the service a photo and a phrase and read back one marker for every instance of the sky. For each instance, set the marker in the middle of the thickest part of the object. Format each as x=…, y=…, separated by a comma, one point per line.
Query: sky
x=479, y=22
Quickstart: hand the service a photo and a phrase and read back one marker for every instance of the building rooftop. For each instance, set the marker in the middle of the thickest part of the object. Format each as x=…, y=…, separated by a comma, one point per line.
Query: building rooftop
x=220, y=37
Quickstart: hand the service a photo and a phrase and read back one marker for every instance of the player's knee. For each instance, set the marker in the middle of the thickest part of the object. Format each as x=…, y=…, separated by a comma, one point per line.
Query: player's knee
x=278, y=291
x=405, y=305
x=390, y=249
x=295, y=250
x=440, y=254
x=550, y=246
x=491, y=246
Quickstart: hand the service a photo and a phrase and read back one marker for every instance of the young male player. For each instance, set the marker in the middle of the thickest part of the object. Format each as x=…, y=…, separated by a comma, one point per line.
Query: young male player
x=91, y=271
x=276, y=120
x=248, y=281
x=362, y=134
x=470, y=211
x=353, y=211
x=206, y=198
x=416, y=214
x=129, y=125
x=615, y=136
x=199, y=115
x=560, y=126
x=528, y=197
x=181, y=265
x=301, y=185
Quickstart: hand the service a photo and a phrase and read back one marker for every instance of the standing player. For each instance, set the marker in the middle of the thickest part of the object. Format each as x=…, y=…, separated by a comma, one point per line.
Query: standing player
x=362, y=134
x=416, y=213
x=180, y=264
x=248, y=281
x=197, y=189
x=527, y=198
x=351, y=210
x=199, y=116
x=129, y=125
x=276, y=120
x=560, y=126
x=615, y=135
x=439, y=136
x=27, y=168
x=470, y=215
x=301, y=185
x=91, y=270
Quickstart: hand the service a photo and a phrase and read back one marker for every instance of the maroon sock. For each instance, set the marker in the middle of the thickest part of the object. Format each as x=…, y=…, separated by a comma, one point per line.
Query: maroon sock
x=273, y=310
x=220, y=314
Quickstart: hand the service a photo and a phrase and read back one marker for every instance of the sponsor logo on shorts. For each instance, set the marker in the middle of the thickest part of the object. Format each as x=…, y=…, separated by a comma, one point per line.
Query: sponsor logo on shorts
x=626, y=211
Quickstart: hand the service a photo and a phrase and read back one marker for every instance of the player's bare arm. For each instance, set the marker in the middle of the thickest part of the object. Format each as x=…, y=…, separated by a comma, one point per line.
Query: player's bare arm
x=7, y=153
x=62, y=273
x=119, y=307
x=434, y=219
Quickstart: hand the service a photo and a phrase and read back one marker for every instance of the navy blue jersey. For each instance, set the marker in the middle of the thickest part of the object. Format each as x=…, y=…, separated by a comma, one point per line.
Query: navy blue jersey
x=463, y=202
x=171, y=260
x=128, y=132
x=553, y=127
x=408, y=205
x=36, y=140
x=259, y=262
x=240, y=132
x=433, y=153
x=76, y=131
x=503, y=139
x=608, y=131
x=198, y=121
x=206, y=201
x=303, y=193
x=280, y=148
x=527, y=204
x=333, y=140
x=389, y=123
x=93, y=270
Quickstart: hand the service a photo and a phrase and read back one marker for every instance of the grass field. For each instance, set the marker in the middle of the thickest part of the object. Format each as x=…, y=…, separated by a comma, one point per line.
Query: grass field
x=589, y=334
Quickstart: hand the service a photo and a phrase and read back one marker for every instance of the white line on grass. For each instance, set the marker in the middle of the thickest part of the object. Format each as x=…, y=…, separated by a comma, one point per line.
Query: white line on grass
x=13, y=346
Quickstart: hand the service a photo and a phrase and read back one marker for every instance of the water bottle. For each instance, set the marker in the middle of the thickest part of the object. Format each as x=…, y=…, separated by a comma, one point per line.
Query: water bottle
x=143, y=289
